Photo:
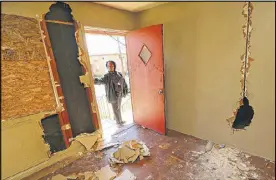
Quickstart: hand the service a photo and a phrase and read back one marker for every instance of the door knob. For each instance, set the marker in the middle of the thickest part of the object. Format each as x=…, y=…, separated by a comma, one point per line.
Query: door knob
x=160, y=91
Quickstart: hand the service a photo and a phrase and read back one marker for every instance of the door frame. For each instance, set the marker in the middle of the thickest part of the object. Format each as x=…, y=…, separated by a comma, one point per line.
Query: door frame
x=104, y=31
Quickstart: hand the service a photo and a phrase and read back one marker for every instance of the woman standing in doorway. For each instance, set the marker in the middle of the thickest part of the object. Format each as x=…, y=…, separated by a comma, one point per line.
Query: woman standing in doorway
x=115, y=89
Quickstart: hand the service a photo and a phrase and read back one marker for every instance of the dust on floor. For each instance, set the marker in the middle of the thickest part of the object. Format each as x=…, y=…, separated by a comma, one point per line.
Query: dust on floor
x=183, y=157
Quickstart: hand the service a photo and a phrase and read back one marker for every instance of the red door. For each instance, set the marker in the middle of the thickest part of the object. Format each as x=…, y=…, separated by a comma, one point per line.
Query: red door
x=145, y=62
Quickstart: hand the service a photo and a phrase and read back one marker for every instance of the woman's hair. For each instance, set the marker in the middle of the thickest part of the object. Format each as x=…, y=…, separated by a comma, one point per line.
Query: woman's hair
x=114, y=64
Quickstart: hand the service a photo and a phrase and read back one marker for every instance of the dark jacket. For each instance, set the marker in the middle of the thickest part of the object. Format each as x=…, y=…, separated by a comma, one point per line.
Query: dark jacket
x=115, y=86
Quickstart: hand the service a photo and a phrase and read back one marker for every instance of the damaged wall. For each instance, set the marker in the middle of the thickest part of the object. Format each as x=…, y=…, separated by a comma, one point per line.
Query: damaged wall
x=26, y=94
x=19, y=145
x=203, y=43
x=22, y=144
x=88, y=13
x=26, y=85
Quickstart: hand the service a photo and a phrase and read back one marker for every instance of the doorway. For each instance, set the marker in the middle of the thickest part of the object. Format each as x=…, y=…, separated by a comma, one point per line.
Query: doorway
x=105, y=45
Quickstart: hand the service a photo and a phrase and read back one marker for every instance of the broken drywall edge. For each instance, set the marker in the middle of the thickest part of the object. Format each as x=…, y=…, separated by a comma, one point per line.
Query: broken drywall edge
x=34, y=117
x=247, y=13
x=10, y=135
x=84, y=79
x=88, y=140
x=84, y=60
x=74, y=152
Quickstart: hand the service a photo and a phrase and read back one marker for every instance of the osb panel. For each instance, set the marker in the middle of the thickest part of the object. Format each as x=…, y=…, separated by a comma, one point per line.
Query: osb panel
x=26, y=88
x=21, y=39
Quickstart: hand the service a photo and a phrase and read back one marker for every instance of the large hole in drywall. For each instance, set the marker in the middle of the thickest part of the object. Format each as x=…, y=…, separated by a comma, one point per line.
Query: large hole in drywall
x=61, y=29
x=52, y=133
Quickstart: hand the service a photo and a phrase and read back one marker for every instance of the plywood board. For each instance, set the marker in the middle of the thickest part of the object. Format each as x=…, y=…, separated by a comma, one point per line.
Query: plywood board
x=21, y=39
x=26, y=86
x=26, y=89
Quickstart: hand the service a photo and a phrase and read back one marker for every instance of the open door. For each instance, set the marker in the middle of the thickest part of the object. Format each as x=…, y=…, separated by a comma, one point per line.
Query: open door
x=146, y=68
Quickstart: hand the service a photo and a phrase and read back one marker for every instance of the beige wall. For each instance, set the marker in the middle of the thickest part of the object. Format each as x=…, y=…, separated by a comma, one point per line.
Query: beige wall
x=88, y=13
x=203, y=43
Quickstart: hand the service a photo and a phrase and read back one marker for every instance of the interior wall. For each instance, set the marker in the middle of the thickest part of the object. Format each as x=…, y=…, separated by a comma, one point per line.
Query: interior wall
x=22, y=144
x=88, y=13
x=203, y=43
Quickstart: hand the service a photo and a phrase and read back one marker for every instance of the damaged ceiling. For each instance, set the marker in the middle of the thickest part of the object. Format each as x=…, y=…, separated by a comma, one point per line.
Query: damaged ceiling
x=132, y=6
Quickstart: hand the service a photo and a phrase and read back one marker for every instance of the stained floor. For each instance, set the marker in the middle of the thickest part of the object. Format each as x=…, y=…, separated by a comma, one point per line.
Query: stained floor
x=177, y=156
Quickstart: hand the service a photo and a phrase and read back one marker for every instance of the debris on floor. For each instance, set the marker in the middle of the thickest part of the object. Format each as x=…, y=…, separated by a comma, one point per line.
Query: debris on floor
x=105, y=173
x=224, y=163
x=165, y=145
x=126, y=175
x=102, y=146
x=209, y=146
x=219, y=146
x=129, y=151
x=88, y=140
x=59, y=177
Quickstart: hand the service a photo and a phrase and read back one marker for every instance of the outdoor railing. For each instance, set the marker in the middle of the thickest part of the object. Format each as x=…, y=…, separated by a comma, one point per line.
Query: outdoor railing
x=105, y=109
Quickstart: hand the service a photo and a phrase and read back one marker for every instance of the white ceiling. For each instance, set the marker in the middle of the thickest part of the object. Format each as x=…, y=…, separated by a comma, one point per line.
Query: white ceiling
x=132, y=6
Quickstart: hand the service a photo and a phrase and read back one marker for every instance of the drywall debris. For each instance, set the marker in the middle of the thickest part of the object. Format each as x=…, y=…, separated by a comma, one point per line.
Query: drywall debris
x=209, y=146
x=80, y=176
x=88, y=140
x=225, y=163
x=129, y=151
x=59, y=177
x=126, y=175
x=105, y=173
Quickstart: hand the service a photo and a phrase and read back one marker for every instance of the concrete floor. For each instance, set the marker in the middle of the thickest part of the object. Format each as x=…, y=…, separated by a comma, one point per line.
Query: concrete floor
x=177, y=156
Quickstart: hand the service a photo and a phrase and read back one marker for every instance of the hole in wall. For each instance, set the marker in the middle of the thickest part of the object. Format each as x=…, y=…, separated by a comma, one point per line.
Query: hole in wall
x=244, y=115
x=52, y=133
